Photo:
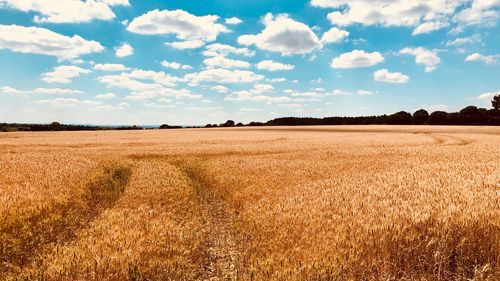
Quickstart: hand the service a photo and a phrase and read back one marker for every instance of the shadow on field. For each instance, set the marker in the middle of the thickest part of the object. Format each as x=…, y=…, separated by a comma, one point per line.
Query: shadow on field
x=24, y=239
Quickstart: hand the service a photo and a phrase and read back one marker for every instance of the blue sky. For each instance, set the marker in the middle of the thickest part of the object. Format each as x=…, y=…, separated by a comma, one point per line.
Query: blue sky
x=198, y=62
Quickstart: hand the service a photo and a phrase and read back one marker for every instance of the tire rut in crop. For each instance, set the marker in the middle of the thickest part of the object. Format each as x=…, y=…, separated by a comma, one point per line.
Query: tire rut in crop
x=222, y=243
x=24, y=240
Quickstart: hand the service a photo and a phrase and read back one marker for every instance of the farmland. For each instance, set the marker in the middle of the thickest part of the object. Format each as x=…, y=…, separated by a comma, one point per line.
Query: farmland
x=274, y=203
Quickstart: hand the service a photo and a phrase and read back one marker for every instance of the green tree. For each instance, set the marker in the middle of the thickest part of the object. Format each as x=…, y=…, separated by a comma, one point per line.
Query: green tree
x=420, y=117
x=496, y=102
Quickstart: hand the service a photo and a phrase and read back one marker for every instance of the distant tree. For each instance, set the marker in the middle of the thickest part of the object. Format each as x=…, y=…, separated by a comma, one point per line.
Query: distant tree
x=420, y=117
x=438, y=118
x=400, y=118
x=208, y=126
x=55, y=126
x=496, y=102
x=239, y=124
x=229, y=123
x=165, y=126
x=470, y=111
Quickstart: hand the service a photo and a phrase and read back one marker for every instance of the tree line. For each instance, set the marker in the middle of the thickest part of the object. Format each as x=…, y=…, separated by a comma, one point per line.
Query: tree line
x=470, y=115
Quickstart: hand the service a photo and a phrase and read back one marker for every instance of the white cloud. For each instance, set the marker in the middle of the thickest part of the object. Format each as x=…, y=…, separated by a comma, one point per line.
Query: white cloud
x=217, y=49
x=488, y=96
x=233, y=21
x=175, y=65
x=248, y=96
x=250, y=109
x=184, y=45
x=163, y=93
x=110, y=67
x=273, y=66
x=63, y=74
x=124, y=50
x=60, y=102
x=116, y=2
x=430, y=26
x=158, y=77
x=38, y=91
x=69, y=102
x=338, y=92
x=152, y=85
x=223, y=62
x=284, y=35
x=261, y=88
x=423, y=56
x=42, y=41
x=356, y=59
x=107, y=96
x=436, y=107
x=181, y=23
x=220, y=89
x=223, y=76
x=487, y=59
x=66, y=11
x=124, y=81
x=476, y=38
x=480, y=12
x=387, y=12
x=334, y=35
x=383, y=75
x=277, y=80
x=308, y=95
x=364, y=93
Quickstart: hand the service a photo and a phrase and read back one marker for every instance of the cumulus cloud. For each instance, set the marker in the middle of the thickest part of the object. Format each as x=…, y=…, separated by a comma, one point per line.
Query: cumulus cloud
x=106, y=96
x=68, y=102
x=480, y=12
x=185, y=45
x=158, y=77
x=476, y=38
x=220, y=89
x=223, y=62
x=334, y=35
x=273, y=66
x=110, y=67
x=66, y=11
x=284, y=35
x=124, y=50
x=175, y=65
x=233, y=21
x=423, y=56
x=249, y=96
x=487, y=59
x=424, y=15
x=364, y=93
x=383, y=75
x=42, y=41
x=488, y=96
x=145, y=84
x=38, y=91
x=388, y=12
x=357, y=59
x=181, y=23
x=218, y=49
x=430, y=26
x=223, y=76
x=63, y=74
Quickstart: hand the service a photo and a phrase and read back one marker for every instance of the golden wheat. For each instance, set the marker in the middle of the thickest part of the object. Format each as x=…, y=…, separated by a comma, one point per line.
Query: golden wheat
x=302, y=203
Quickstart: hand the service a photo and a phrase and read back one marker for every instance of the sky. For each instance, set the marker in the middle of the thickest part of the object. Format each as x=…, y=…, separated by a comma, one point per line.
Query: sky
x=182, y=62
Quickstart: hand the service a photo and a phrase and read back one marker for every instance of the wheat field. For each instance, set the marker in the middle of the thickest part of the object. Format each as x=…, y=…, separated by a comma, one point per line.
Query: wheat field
x=273, y=203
